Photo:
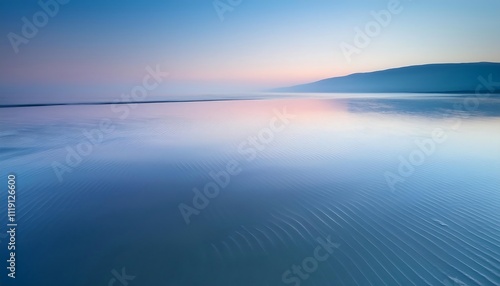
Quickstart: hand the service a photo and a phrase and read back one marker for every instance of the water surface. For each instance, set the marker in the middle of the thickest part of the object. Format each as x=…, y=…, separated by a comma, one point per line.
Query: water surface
x=322, y=174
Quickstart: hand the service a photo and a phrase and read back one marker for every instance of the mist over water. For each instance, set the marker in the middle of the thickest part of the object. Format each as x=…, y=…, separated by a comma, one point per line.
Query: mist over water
x=323, y=174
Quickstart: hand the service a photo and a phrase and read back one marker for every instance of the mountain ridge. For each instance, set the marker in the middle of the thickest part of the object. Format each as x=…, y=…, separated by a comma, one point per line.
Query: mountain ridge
x=426, y=78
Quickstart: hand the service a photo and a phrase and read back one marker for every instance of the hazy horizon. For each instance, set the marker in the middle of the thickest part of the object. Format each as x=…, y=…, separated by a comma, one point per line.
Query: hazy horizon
x=102, y=49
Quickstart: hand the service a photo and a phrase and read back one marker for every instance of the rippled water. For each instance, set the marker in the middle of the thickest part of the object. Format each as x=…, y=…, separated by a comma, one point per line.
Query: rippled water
x=320, y=174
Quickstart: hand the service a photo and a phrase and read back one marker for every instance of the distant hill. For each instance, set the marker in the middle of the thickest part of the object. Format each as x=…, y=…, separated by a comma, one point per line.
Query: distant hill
x=431, y=78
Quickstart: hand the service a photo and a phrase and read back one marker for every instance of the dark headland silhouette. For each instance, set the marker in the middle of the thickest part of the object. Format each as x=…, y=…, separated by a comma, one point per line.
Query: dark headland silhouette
x=430, y=78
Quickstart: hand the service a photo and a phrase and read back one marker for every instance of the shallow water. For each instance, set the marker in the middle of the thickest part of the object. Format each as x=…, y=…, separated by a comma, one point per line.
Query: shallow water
x=320, y=173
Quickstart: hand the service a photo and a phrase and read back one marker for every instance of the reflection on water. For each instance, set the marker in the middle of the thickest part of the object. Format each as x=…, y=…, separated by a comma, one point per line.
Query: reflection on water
x=321, y=176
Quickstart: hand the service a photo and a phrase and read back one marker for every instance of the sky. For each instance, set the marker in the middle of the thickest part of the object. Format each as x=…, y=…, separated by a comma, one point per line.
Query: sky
x=101, y=48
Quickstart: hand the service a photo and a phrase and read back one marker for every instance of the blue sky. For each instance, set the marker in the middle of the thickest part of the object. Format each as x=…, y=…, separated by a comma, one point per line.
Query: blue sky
x=104, y=46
